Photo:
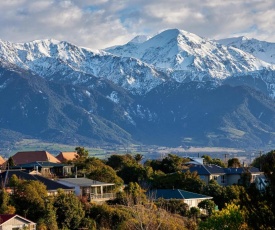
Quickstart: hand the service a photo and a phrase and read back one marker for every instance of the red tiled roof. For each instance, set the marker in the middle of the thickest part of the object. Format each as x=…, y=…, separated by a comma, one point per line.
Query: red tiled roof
x=2, y=161
x=32, y=156
x=5, y=217
x=66, y=156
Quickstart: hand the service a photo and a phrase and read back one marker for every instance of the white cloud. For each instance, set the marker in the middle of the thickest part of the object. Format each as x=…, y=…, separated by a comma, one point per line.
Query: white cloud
x=101, y=23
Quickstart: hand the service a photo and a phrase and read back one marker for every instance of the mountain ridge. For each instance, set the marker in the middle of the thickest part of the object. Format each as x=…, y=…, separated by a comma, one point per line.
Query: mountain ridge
x=175, y=88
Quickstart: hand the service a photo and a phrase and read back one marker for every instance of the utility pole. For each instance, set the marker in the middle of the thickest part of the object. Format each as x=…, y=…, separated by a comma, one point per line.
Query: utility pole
x=225, y=160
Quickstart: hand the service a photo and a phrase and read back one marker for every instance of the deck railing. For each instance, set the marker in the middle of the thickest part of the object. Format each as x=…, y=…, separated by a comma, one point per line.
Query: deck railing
x=103, y=196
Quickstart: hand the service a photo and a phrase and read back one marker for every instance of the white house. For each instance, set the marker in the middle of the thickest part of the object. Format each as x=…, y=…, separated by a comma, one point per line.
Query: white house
x=91, y=189
x=190, y=198
x=14, y=222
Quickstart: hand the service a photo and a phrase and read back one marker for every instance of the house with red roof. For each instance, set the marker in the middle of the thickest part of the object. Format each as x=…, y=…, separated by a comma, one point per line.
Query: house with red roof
x=32, y=156
x=66, y=156
x=13, y=221
x=2, y=160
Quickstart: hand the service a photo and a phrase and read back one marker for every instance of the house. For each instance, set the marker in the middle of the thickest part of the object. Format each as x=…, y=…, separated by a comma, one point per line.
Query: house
x=209, y=172
x=51, y=185
x=32, y=156
x=14, y=222
x=91, y=189
x=2, y=160
x=233, y=175
x=46, y=169
x=223, y=176
x=66, y=156
x=190, y=198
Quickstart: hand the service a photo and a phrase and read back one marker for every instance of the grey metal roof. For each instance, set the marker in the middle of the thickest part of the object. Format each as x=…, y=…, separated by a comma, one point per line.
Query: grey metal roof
x=51, y=185
x=206, y=169
x=84, y=182
x=215, y=169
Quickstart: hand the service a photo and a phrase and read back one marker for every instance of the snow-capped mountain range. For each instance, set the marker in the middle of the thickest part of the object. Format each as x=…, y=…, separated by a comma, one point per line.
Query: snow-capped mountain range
x=181, y=53
x=174, y=87
x=52, y=58
x=260, y=49
x=144, y=63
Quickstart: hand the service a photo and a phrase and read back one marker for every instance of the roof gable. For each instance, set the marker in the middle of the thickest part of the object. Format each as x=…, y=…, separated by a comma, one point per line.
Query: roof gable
x=2, y=160
x=66, y=156
x=6, y=217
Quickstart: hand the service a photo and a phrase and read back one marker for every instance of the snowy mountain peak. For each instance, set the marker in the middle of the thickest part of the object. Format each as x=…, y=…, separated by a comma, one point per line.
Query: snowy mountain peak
x=260, y=49
x=140, y=39
x=64, y=62
x=185, y=55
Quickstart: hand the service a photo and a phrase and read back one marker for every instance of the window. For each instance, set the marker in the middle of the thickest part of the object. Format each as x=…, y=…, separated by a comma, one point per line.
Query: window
x=223, y=180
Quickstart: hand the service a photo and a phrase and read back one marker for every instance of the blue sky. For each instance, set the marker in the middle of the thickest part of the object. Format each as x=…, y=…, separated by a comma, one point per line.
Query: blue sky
x=102, y=23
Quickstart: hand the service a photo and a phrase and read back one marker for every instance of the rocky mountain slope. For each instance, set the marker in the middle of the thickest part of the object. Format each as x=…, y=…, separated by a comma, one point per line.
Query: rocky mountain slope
x=175, y=88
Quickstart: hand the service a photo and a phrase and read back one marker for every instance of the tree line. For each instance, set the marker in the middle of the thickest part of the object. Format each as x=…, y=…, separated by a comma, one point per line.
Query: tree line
x=240, y=206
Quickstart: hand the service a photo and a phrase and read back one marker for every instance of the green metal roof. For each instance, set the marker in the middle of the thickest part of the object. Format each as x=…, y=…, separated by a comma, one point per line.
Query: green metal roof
x=176, y=194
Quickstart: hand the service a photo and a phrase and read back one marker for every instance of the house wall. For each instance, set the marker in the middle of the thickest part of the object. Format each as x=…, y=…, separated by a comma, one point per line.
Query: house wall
x=233, y=179
x=193, y=202
x=77, y=189
x=220, y=179
x=254, y=176
x=205, y=178
x=17, y=223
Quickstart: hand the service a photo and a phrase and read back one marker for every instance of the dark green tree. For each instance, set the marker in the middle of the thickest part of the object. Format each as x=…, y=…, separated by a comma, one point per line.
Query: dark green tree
x=172, y=163
x=180, y=180
x=69, y=210
x=29, y=198
x=208, y=205
x=175, y=206
x=216, y=191
x=138, y=157
x=5, y=207
x=194, y=213
x=96, y=170
x=234, y=163
x=107, y=217
x=132, y=173
x=48, y=220
x=154, y=164
x=229, y=218
x=245, y=179
x=117, y=162
x=260, y=206
x=215, y=161
x=10, y=162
